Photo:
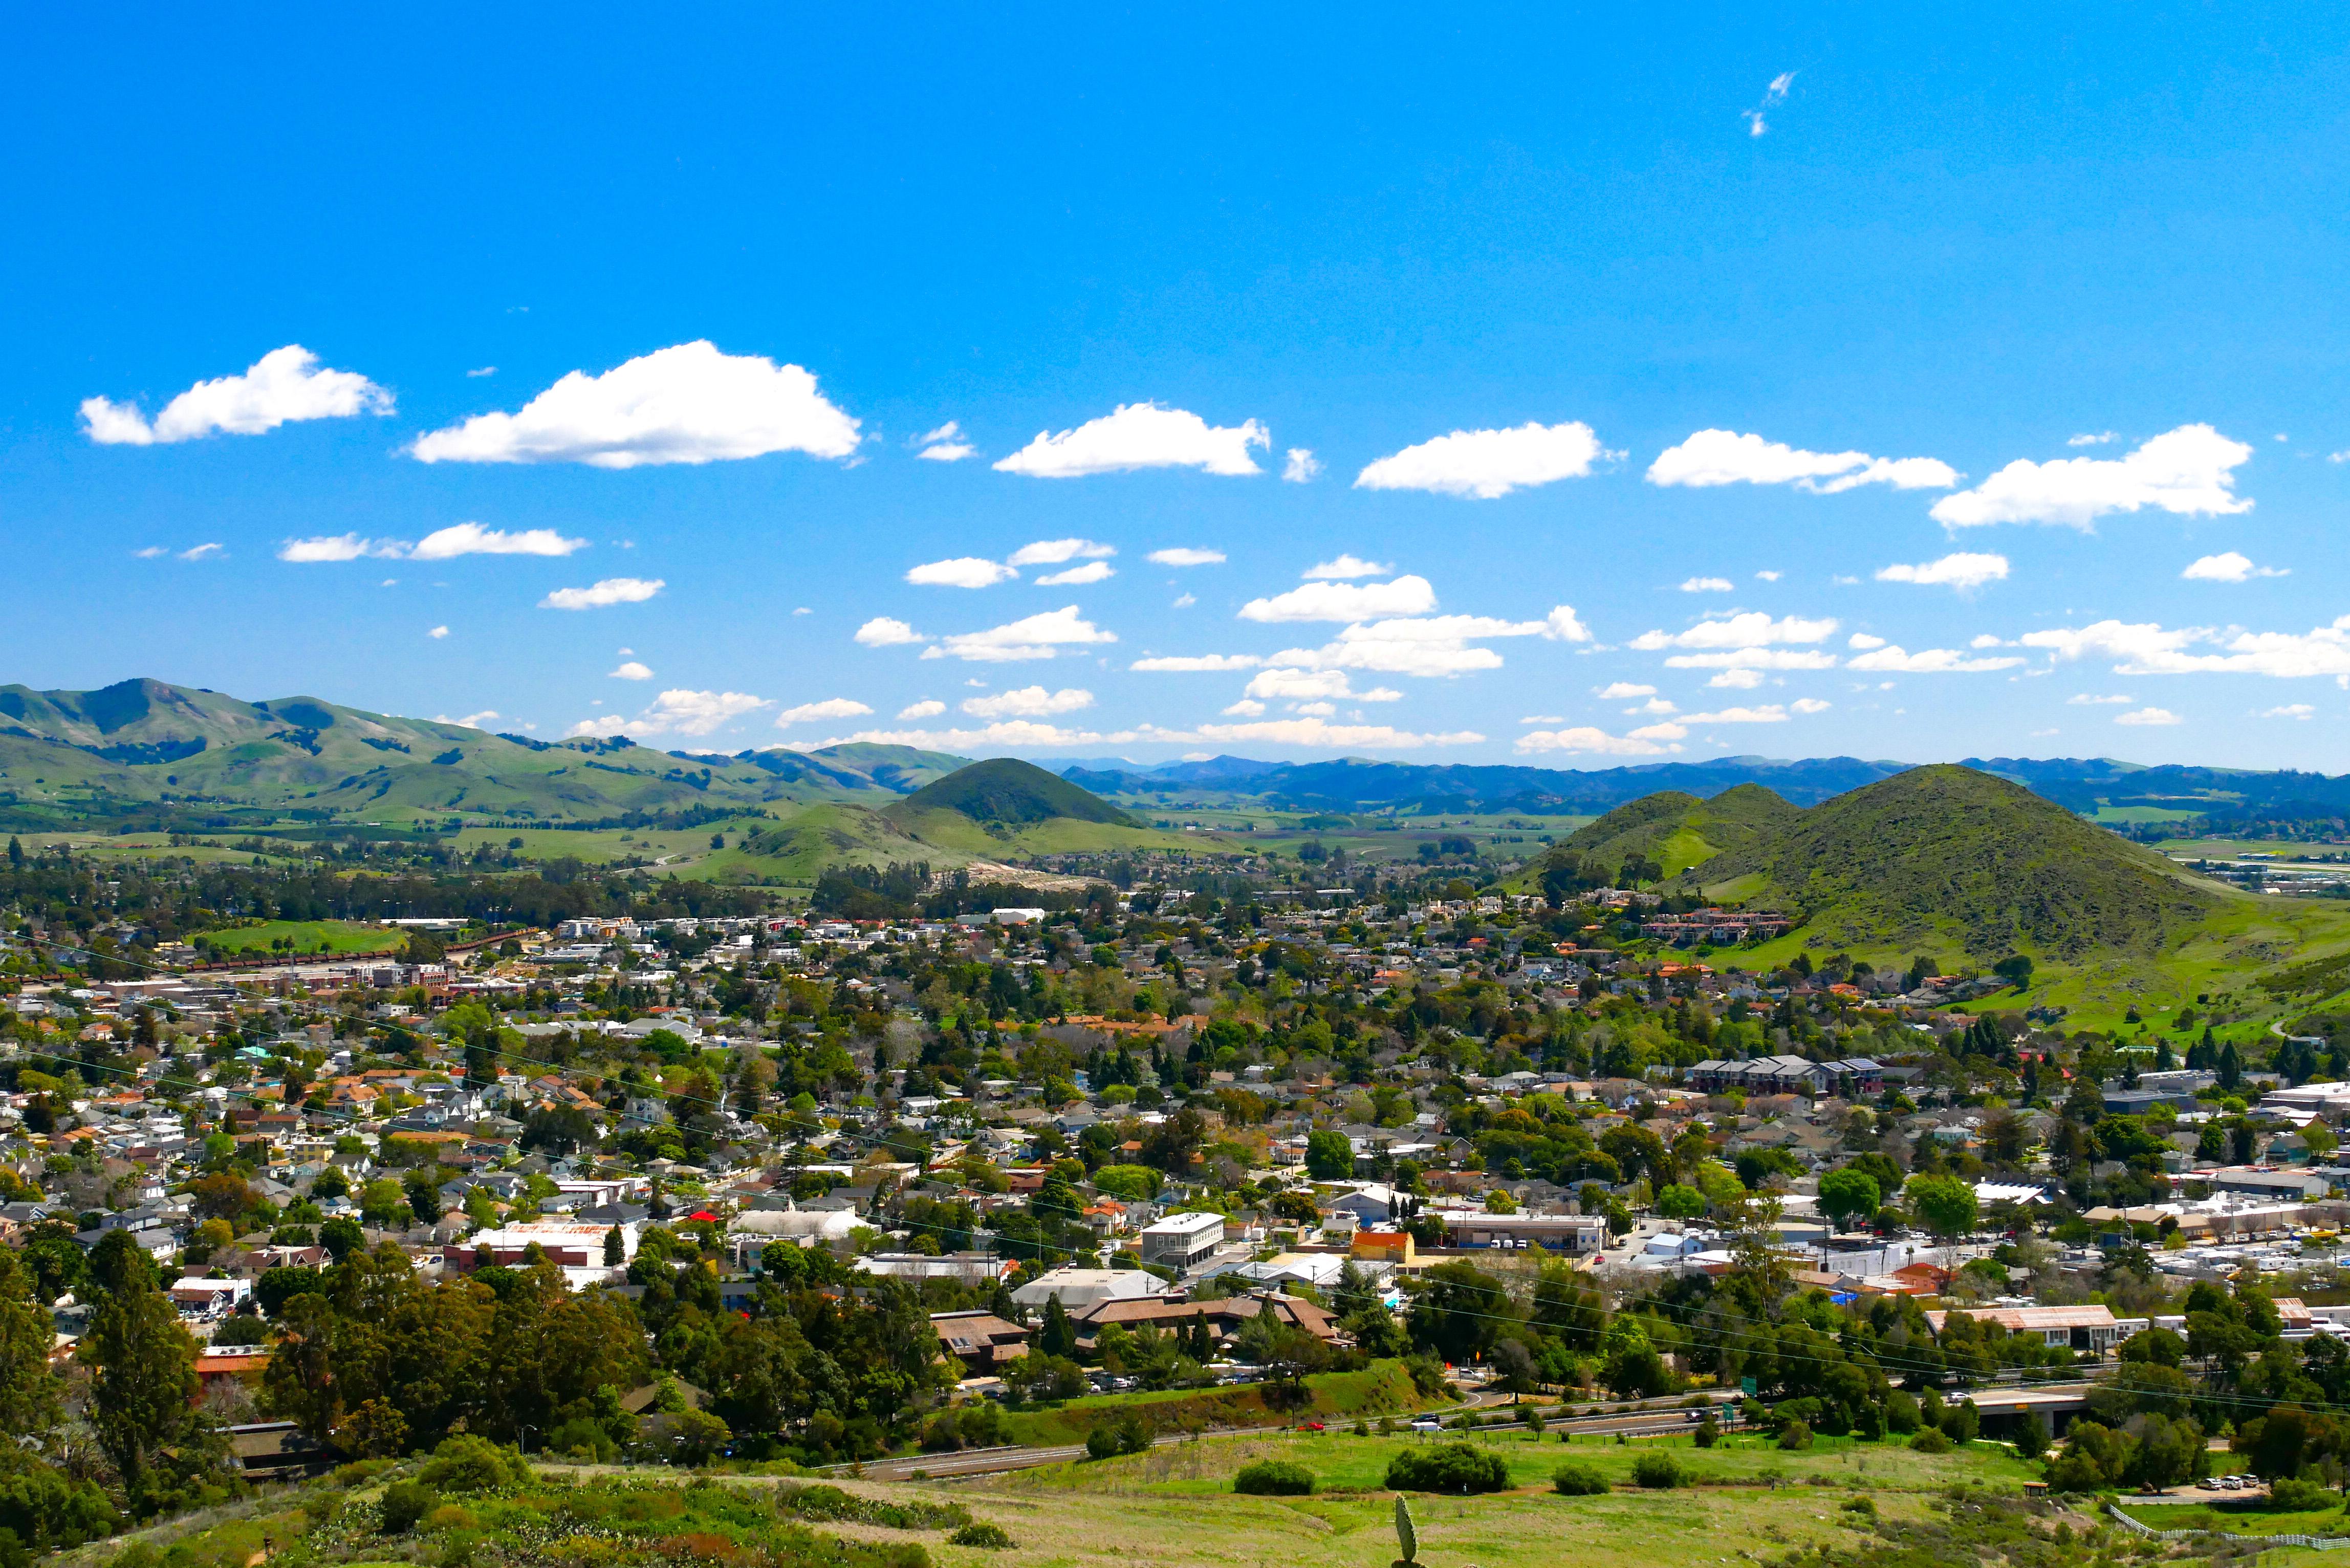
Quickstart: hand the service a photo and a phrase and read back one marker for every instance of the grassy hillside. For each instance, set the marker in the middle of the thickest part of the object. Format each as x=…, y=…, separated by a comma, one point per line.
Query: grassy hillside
x=1174, y=1507
x=149, y=753
x=1004, y=808
x=1675, y=830
x=1009, y=792
x=1948, y=856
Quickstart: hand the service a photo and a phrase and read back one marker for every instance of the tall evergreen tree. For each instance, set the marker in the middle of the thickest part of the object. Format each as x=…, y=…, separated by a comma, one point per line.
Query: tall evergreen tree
x=1058, y=1337
x=145, y=1387
x=28, y=1392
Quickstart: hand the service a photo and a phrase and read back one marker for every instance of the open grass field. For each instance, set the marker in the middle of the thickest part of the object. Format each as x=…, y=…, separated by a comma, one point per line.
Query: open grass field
x=1174, y=1505
x=307, y=937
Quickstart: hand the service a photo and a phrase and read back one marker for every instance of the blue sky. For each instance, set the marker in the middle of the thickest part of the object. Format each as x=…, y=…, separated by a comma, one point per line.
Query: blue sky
x=1631, y=348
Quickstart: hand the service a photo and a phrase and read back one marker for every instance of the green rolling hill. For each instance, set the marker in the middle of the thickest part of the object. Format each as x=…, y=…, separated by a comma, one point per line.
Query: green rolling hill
x=1006, y=806
x=1947, y=856
x=1966, y=868
x=147, y=754
x=1671, y=829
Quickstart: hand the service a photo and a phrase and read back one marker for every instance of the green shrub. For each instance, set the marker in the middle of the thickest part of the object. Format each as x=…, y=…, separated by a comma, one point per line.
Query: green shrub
x=1795, y=1436
x=1579, y=1480
x=1126, y=1436
x=1456, y=1468
x=1273, y=1478
x=829, y=1502
x=1658, y=1471
x=2293, y=1495
x=358, y=1472
x=405, y=1503
x=465, y=1464
x=1929, y=1440
x=979, y=1533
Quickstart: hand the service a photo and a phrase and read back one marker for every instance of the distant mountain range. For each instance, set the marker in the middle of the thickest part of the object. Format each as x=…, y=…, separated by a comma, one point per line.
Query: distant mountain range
x=2082, y=785
x=151, y=754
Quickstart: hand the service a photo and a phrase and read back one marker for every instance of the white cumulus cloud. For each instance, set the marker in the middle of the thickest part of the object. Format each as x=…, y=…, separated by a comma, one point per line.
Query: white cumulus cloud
x=1343, y=565
x=2148, y=716
x=882, y=631
x=609, y=591
x=1405, y=595
x=1752, y=628
x=1184, y=556
x=1769, y=713
x=441, y=545
x=631, y=670
x=2229, y=567
x=1006, y=734
x=2289, y=711
x=1649, y=741
x=1706, y=584
x=1292, y=685
x=1897, y=659
x=1053, y=552
x=1091, y=572
x=1028, y=703
x=2145, y=648
x=473, y=539
x=2189, y=471
x=1301, y=466
x=1429, y=646
x=682, y=712
x=945, y=444
x=438, y=632
x=1197, y=663
x=1753, y=658
x=961, y=571
x=829, y=707
x=1309, y=733
x=284, y=385
x=1961, y=571
x=1034, y=637
x=1619, y=689
x=1810, y=705
x=1140, y=435
x=689, y=404
x=928, y=708
x=1713, y=457
x=1488, y=464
